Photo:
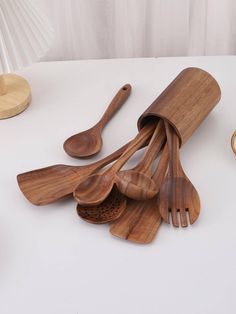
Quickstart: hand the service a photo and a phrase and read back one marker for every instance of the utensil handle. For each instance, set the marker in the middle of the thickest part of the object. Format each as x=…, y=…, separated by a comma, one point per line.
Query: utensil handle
x=161, y=170
x=144, y=135
x=173, y=142
x=116, y=103
x=152, y=150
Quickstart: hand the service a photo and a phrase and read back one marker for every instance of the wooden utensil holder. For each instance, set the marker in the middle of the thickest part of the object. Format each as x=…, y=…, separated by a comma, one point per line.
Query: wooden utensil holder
x=185, y=103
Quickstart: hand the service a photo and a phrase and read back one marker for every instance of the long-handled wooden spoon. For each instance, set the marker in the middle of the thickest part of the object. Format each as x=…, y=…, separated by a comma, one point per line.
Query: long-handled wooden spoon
x=47, y=185
x=141, y=219
x=131, y=182
x=95, y=189
x=89, y=142
x=177, y=194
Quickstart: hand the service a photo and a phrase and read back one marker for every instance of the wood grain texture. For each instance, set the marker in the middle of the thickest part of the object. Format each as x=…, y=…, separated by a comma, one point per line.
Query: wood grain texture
x=47, y=185
x=185, y=103
x=89, y=142
x=177, y=198
x=96, y=188
x=15, y=95
x=136, y=183
x=141, y=219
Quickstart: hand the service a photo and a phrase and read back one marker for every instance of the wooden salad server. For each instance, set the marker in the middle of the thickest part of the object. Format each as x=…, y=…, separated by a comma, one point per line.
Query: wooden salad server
x=47, y=185
x=141, y=219
x=177, y=196
x=96, y=188
x=89, y=142
x=135, y=183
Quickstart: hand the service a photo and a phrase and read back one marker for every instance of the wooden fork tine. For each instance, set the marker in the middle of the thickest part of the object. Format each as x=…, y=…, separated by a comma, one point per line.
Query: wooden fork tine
x=183, y=217
x=174, y=216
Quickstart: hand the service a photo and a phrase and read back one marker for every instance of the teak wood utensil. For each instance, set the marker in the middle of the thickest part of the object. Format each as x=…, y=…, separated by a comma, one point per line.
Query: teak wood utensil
x=47, y=185
x=109, y=210
x=135, y=183
x=96, y=188
x=89, y=142
x=141, y=220
x=177, y=195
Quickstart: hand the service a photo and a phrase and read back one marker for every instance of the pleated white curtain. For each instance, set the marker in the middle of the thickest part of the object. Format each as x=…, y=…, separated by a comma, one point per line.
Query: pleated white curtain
x=140, y=28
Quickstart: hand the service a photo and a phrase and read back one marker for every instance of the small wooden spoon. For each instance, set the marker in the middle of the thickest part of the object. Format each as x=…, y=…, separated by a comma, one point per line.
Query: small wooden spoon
x=47, y=185
x=177, y=194
x=135, y=183
x=141, y=220
x=89, y=142
x=95, y=189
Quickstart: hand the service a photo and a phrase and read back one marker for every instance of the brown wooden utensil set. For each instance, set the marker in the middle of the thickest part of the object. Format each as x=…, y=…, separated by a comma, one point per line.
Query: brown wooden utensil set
x=134, y=201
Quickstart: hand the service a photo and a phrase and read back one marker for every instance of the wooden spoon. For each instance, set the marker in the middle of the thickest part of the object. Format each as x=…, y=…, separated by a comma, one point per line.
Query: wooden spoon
x=47, y=185
x=141, y=220
x=177, y=194
x=89, y=142
x=95, y=189
x=135, y=183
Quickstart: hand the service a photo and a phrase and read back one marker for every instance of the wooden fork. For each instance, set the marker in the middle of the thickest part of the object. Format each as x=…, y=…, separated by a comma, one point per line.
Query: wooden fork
x=178, y=198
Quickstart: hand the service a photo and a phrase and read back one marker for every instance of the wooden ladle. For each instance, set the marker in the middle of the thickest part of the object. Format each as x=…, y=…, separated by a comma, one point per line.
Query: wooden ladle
x=134, y=183
x=96, y=188
x=141, y=219
x=89, y=142
x=178, y=197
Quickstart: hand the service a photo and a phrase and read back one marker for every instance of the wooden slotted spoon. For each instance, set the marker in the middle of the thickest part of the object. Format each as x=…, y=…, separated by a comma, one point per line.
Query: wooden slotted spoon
x=178, y=196
x=141, y=220
x=109, y=210
x=96, y=188
x=89, y=142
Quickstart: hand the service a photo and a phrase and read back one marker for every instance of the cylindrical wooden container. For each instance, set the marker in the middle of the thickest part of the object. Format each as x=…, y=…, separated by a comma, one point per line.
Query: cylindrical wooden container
x=185, y=103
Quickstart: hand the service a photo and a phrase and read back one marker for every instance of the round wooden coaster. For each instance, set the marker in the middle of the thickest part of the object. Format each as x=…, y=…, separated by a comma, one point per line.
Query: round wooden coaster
x=15, y=95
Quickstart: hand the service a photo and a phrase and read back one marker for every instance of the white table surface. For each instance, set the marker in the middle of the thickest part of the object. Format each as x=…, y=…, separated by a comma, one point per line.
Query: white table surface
x=51, y=262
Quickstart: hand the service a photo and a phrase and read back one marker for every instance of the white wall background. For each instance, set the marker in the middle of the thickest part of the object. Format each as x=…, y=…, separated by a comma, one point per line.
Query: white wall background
x=140, y=28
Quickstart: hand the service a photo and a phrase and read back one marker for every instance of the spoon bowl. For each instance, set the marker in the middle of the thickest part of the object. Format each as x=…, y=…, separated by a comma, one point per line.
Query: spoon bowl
x=84, y=144
x=94, y=190
x=135, y=185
